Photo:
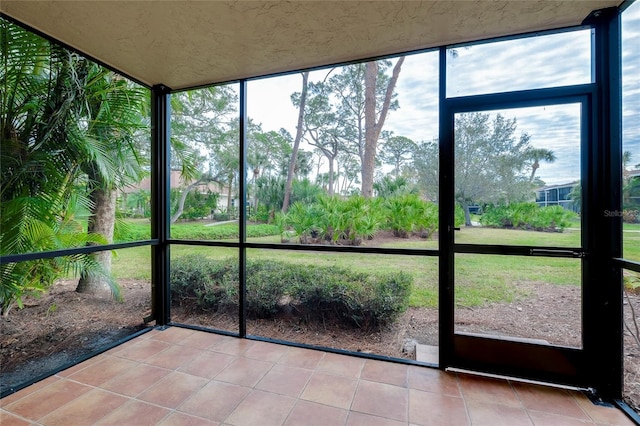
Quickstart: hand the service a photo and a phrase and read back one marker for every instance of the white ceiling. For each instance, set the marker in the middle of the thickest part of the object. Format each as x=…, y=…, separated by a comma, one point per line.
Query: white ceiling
x=188, y=43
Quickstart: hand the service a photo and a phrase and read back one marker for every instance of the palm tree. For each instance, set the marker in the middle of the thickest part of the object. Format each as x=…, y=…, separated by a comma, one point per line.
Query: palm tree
x=113, y=114
x=42, y=154
x=626, y=160
x=68, y=131
x=537, y=155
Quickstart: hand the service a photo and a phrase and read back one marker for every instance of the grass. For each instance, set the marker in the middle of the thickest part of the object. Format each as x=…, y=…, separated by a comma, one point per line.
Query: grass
x=140, y=229
x=480, y=279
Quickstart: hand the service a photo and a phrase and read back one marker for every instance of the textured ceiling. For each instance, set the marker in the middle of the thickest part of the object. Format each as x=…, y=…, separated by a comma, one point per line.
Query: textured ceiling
x=188, y=43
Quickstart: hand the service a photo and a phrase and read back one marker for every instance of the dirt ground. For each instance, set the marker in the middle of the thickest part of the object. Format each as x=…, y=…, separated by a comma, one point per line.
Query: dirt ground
x=63, y=325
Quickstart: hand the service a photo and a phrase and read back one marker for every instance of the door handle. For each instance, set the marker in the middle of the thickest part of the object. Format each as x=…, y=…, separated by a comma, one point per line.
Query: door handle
x=557, y=253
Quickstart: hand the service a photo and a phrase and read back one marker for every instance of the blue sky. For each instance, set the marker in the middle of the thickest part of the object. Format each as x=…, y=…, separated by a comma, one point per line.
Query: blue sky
x=553, y=60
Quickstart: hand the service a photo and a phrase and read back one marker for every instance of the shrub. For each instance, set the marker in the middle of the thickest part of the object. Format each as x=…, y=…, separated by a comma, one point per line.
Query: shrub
x=407, y=214
x=221, y=216
x=209, y=284
x=265, y=288
x=357, y=299
x=527, y=216
x=458, y=219
x=315, y=292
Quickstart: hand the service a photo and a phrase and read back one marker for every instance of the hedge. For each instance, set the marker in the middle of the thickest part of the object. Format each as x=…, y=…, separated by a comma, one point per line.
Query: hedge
x=315, y=293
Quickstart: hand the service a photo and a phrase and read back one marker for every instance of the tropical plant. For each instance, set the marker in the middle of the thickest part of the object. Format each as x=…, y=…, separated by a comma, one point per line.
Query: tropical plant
x=139, y=203
x=303, y=221
x=408, y=213
x=269, y=192
x=536, y=155
x=389, y=187
x=527, y=216
x=47, y=144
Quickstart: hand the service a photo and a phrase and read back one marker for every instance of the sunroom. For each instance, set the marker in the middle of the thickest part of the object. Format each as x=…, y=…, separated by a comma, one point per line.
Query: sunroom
x=320, y=212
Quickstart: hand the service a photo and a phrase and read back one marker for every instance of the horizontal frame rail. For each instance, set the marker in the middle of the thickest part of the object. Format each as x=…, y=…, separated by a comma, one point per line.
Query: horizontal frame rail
x=15, y=258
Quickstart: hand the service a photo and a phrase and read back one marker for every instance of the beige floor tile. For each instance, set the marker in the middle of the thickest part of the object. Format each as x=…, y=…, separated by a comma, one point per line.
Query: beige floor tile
x=202, y=339
x=207, y=364
x=361, y=419
x=215, y=401
x=302, y=358
x=382, y=400
x=432, y=380
x=103, y=371
x=135, y=413
x=42, y=402
x=488, y=390
x=550, y=400
x=181, y=419
x=86, y=409
x=173, y=334
x=28, y=390
x=341, y=365
x=232, y=346
x=285, y=380
x=244, y=372
x=264, y=351
x=427, y=408
x=174, y=357
x=8, y=419
x=81, y=366
x=173, y=389
x=600, y=414
x=143, y=349
x=487, y=414
x=385, y=372
x=329, y=389
x=261, y=408
x=136, y=380
x=541, y=418
x=306, y=413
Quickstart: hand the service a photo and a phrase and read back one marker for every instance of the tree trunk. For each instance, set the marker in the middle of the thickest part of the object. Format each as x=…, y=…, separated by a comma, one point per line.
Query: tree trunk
x=102, y=221
x=467, y=214
x=183, y=198
x=330, y=187
x=296, y=143
x=372, y=127
x=535, y=166
x=229, y=198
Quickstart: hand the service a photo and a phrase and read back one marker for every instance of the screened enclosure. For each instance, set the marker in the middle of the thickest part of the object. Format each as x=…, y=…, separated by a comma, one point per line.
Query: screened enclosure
x=397, y=207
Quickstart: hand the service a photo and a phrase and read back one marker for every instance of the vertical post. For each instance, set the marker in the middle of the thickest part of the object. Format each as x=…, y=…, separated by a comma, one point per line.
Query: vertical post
x=446, y=224
x=160, y=218
x=602, y=279
x=242, y=196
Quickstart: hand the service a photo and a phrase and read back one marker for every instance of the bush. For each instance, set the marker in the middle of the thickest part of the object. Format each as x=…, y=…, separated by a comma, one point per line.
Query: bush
x=356, y=299
x=316, y=293
x=527, y=216
x=209, y=284
x=408, y=214
x=221, y=217
x=261, y=214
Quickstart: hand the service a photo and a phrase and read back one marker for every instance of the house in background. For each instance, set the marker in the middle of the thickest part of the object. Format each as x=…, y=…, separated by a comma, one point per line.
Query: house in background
x=177, y=182
x=557, y=195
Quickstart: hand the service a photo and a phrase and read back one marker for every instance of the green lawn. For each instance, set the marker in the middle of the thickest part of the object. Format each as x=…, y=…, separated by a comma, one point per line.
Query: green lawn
x=479, y=278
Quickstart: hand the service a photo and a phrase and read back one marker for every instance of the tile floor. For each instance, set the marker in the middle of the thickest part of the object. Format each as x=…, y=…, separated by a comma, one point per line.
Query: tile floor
x=184, y=377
